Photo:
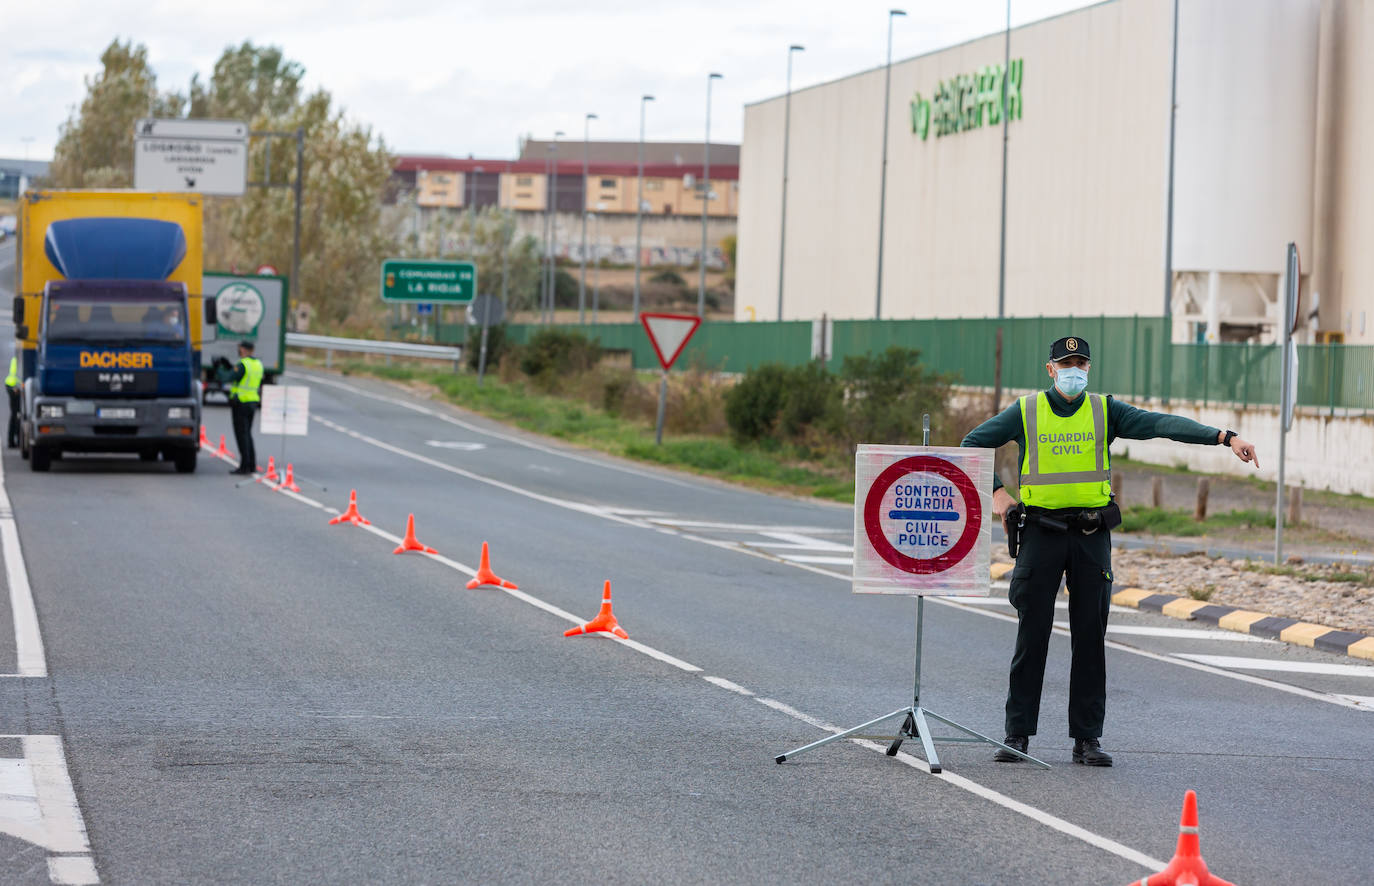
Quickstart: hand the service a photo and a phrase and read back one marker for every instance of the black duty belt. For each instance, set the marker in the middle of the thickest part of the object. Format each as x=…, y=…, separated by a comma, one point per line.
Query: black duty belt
x=1086, y=521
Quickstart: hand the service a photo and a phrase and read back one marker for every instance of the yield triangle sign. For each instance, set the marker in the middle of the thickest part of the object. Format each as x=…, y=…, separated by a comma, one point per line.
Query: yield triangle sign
x=668, y=333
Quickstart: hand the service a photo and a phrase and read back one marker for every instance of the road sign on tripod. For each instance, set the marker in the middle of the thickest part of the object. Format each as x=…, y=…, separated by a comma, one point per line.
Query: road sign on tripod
x=921, y=526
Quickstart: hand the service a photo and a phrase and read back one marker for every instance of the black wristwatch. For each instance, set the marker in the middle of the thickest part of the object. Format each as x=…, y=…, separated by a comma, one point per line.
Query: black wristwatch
x=1226, y=440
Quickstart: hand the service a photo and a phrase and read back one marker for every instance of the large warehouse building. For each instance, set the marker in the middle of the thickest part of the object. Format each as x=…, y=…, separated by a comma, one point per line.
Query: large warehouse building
x=1274, y=140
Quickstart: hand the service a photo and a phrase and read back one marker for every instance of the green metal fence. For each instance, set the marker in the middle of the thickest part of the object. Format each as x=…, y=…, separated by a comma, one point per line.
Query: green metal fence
x=1132, y=356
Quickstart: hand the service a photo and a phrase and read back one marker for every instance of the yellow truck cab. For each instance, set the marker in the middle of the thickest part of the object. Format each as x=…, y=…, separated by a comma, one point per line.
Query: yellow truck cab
x=108, y=320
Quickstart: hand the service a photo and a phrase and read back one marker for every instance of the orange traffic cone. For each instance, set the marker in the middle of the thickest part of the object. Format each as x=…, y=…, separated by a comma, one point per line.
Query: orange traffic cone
x=289, y=483
x=271, y=475
x=351, y=515
x=1187, y=867
x=222, y=451
x=485, y=576
x=604, y=621
x=410, y=542
x=204, y=440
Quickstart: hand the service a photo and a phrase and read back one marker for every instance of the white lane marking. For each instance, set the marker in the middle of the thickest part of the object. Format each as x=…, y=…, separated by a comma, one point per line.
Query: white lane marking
x=1365, y=701
x=461, y=445
x=1274, y=664
x=1026, y=810
x=1178, y=633
x=728, y=685
x=995, y=600
x=796, y=541
x=509, y=438
x=28, y=639
x=38, y=806
x=804, y=558
x=72, y=870
x=729, y=546
x=743, y=527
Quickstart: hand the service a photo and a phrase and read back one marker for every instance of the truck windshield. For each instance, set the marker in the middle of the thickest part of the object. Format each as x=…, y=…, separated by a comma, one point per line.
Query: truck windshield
x=91, y=317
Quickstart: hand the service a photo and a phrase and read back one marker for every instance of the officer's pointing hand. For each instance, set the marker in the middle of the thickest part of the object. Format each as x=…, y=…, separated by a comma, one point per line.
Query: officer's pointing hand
x=1244, y=450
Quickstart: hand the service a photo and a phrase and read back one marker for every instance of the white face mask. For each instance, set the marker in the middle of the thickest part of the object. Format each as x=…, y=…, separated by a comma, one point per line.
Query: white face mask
x=1071, y=380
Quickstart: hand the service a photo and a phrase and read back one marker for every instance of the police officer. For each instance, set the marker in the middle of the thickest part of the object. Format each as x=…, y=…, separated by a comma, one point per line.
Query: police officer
x=1064, y=523
x=243, y=401
x=12, y=388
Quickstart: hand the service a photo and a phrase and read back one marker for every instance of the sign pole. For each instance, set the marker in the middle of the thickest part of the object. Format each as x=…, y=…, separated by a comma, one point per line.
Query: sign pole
x=1290, y=298
x=662, y=402
x=915, y=726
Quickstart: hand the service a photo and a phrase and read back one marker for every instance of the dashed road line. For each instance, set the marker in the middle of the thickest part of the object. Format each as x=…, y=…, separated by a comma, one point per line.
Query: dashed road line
x=1037, y=815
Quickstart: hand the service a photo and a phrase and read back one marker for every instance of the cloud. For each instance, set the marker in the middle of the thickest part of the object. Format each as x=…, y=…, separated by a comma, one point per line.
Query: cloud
x=471, y=77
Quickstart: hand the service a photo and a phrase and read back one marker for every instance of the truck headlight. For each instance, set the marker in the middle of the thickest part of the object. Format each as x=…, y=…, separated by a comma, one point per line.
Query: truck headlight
x=50, y=410
x=182, y=413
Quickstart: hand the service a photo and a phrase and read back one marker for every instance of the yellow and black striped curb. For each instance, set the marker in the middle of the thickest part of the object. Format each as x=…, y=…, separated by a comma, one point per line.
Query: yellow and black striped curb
x=1233, y=618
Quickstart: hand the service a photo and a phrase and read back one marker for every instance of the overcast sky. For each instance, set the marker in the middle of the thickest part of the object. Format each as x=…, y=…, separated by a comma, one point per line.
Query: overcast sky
x=471, y=77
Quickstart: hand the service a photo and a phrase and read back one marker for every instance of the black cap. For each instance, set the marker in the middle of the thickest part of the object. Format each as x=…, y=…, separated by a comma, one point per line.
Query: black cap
x=1069, y=346
x=247, y=345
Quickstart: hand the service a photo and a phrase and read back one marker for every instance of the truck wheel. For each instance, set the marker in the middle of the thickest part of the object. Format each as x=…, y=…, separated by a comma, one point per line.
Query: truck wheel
x=40, y=459
x=185, y=460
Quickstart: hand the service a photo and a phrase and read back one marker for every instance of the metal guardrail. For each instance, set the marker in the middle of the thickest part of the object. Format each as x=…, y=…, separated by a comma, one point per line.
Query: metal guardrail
x=330, y=344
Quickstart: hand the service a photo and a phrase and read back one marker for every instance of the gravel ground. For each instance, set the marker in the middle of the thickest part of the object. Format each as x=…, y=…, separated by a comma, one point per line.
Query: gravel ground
x=1298, y=590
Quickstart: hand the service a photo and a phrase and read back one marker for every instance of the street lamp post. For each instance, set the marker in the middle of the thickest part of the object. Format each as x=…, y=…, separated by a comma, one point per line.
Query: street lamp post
x=544, y=246
x=1002, y=237
x=882, y=191
x=553, y=235
x=786, y=137
x=582, y=281
x=472, y=208
x=705, y=196
x=596, y=286
x=639, y=202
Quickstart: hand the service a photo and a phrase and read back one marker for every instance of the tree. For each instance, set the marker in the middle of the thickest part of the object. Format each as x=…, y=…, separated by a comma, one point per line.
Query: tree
x=248, y=82
x=95, y=147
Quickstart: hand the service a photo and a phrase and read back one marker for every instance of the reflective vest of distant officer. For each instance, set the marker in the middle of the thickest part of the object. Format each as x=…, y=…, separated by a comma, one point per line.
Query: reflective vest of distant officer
x=12, y=388
x=243, y=402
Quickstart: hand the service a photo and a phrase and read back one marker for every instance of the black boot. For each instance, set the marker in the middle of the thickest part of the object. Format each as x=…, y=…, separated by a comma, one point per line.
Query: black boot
x=1088, y=751
x=1020, y=742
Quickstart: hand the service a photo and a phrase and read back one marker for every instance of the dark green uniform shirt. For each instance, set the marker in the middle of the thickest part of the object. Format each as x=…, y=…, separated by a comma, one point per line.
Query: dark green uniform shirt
x=1122, y=421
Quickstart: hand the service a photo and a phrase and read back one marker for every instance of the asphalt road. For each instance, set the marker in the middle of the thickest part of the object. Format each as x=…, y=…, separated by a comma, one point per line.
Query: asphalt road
x=244, y=693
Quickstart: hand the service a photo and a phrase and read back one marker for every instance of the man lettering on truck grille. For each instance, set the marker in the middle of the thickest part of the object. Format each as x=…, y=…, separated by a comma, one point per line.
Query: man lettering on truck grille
x=243, y=402
x=1063, y=526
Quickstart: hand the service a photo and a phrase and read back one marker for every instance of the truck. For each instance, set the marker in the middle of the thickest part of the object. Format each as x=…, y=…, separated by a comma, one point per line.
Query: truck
x=108, y=324
x=247, y=307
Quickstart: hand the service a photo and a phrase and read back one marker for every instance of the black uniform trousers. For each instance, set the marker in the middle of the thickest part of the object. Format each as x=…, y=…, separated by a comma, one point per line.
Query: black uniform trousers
x=242, y=415
x=13, y=436
x=1044, y=557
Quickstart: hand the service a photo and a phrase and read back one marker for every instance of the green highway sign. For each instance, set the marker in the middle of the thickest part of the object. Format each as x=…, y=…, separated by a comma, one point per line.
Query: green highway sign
x=418, y=280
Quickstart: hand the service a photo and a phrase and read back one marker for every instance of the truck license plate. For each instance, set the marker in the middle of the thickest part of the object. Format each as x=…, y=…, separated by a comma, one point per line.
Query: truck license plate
x=116, y=412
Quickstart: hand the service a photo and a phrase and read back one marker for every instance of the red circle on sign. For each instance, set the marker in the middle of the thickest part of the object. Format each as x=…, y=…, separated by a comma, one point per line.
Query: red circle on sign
x=973, y=518
x=267, y=270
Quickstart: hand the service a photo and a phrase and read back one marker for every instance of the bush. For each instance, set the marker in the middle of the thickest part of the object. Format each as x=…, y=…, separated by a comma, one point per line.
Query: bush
x=565, y=289
x=811, y=398
x=668, y=276
x=752, y=405
x=496, y=346
x=887, y=394
x=554, y=354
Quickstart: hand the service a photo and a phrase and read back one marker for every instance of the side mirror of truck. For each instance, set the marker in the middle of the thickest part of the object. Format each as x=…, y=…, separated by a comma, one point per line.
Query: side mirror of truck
x=19, y=309
x=209, y=330
x=21, y=331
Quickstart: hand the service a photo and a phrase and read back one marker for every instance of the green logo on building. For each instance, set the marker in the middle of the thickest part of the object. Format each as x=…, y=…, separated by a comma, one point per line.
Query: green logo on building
x=967, y=101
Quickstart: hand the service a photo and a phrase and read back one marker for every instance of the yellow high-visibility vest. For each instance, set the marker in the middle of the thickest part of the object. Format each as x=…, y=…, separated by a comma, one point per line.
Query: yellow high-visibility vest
x=12, y=380
x=1066, y=464
x=245, y=390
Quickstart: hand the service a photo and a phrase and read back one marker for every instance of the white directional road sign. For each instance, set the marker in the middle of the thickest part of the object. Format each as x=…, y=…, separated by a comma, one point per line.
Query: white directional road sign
x=922, y=520
x=191, y=156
